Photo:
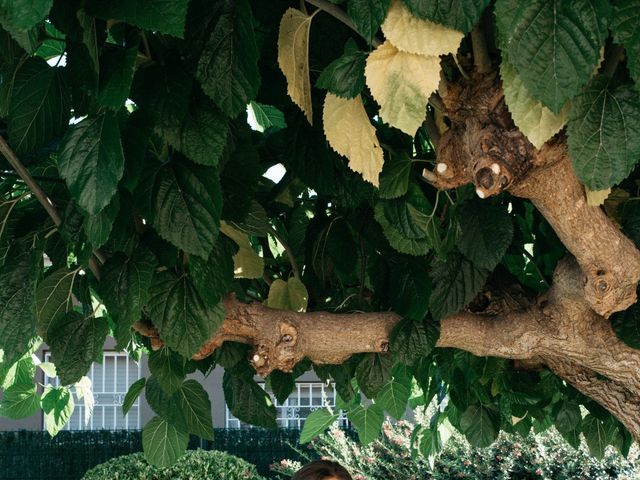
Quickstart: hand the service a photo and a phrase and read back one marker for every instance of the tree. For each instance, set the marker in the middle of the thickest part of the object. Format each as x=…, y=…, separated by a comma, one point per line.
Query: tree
x=442, y=218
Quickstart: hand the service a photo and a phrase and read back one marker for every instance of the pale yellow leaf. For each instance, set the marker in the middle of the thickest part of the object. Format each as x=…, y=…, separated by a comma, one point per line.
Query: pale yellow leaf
x=247, y=263
x=293, y=57
x=402, y=83
x=595, y=198
x=534, y=120
x=290, y=295
x=414, y=35
x=350, y=133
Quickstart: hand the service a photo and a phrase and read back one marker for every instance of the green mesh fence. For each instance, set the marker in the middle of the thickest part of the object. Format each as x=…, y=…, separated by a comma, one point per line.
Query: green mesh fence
x=29, y=455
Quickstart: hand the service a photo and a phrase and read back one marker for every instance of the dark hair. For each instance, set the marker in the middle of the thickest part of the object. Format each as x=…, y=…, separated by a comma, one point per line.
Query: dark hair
x=321, y=470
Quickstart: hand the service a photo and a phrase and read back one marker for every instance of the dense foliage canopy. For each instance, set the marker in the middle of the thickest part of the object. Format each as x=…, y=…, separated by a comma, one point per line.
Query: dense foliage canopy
x=338, y=156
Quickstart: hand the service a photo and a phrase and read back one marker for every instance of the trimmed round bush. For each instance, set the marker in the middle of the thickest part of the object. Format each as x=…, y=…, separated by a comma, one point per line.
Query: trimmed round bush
x=194, y=464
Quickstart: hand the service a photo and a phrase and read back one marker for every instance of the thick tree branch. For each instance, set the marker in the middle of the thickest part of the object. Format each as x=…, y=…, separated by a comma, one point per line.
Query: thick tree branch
x=341, y=15
x=481, y=60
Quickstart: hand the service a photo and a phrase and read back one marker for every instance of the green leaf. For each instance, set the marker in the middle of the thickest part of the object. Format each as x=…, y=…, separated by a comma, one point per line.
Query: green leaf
x=281, y=384
x=54, y=298
x=316, y=423
x=409, y=288
x=397, y=240
x=247, y=263
x=116, y=74
x=185, y=205
x=124, y=289
x=394, y=178
x=164, y=404
x=247, y=401
x=58, y=406
x=98, y=227
x=455, y=282
x=196, y=409
x=20, y=373
x=412, y=340
x=182, y=318
x=479, y=426
x=368, y=422
x=430, y=443
x=213, y=277
x=23, y=14
x=18, y=278
x=604, y=133
x=598, y=435
x=459, y=15
x=75, y=342
x=162, y=443
x=368, y=15
x=486, y=233
x=164, y=16
x=228, y=66
x=19, y=401
x=132, y=395
x=40, y=106
x=625, y=27
x=167, y=368
x=555, y=46
x=91, y=161
x=568, y=421
x=290, y=295
x=393, y=398
x=627, y=325
x=266, y=117
x=373, y=372
x=202, y=136
x=344, y=77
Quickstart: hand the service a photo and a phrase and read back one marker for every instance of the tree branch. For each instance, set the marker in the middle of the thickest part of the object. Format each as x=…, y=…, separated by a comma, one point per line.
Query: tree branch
x=341, y=15
x=481, y=59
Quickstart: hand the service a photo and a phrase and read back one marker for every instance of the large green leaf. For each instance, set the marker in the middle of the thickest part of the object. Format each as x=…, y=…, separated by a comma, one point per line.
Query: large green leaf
x=604, y=133
x=412, y=339
x=196, y=408
x=409, y=287
x=132, y=394
x=555, y=46
x=598, y=434
x=479, y=426
x=344, y=77
x=19, y=401
x=167, y=368
x=627, y=325
x=91, y=161
x=213, y=277
x=184, y=205
x=18, y=278
x=163, y=443
x=626, y=31
x=455, y=282
x=165, y=16
x=368, y=422
x=23, y=14
x=228, y=67
x=373, y=372
x=247, y=401
x=393, y=398
x=54, y=298
x=460, y=15
x=75, y=343
x=368, y=15
x=316, y=423
x=58, y=406
x=98, y=227
x=182, y=318
x=486, y=233
x=568, y=421
x=124, y=289
x=394, y=178
x=116, y=74
x=40, y=104
x=290, y=295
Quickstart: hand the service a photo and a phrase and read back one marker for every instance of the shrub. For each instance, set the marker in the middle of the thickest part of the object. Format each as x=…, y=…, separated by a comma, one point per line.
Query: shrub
x=543, y=456
x=196, y=464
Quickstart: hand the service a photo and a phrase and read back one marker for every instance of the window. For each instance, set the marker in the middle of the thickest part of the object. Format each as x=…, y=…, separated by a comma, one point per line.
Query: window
x=110, y=383
x=305, y=398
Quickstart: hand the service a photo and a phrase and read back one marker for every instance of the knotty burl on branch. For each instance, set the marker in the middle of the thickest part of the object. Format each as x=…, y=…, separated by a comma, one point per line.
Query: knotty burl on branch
x=566, y=328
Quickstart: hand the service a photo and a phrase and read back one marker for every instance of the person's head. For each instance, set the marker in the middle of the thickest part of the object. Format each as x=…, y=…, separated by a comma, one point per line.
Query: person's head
x=322, y=470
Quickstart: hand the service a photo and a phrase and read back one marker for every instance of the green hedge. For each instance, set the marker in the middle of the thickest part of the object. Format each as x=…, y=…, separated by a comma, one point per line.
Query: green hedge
x=34, y=455
x=210, y=465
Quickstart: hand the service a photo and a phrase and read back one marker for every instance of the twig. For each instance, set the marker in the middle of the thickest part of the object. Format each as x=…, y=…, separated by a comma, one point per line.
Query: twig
x=432, y=130
x=38, y=178
x=436, y=102
x=340, y=14
x=481, y=59
x=287, y=249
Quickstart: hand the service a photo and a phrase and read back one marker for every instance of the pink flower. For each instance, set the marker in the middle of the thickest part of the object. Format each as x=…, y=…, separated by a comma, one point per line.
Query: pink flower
x=539, y=471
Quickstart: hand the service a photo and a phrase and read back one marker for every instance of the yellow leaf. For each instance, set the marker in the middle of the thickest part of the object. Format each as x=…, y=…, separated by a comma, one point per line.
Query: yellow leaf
x=402, y=83
x=534, y=120
x=247, y=263
x=290, y=295
x=414, y=35
x=293, y=57
x=595, y=198
x=350, y=133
